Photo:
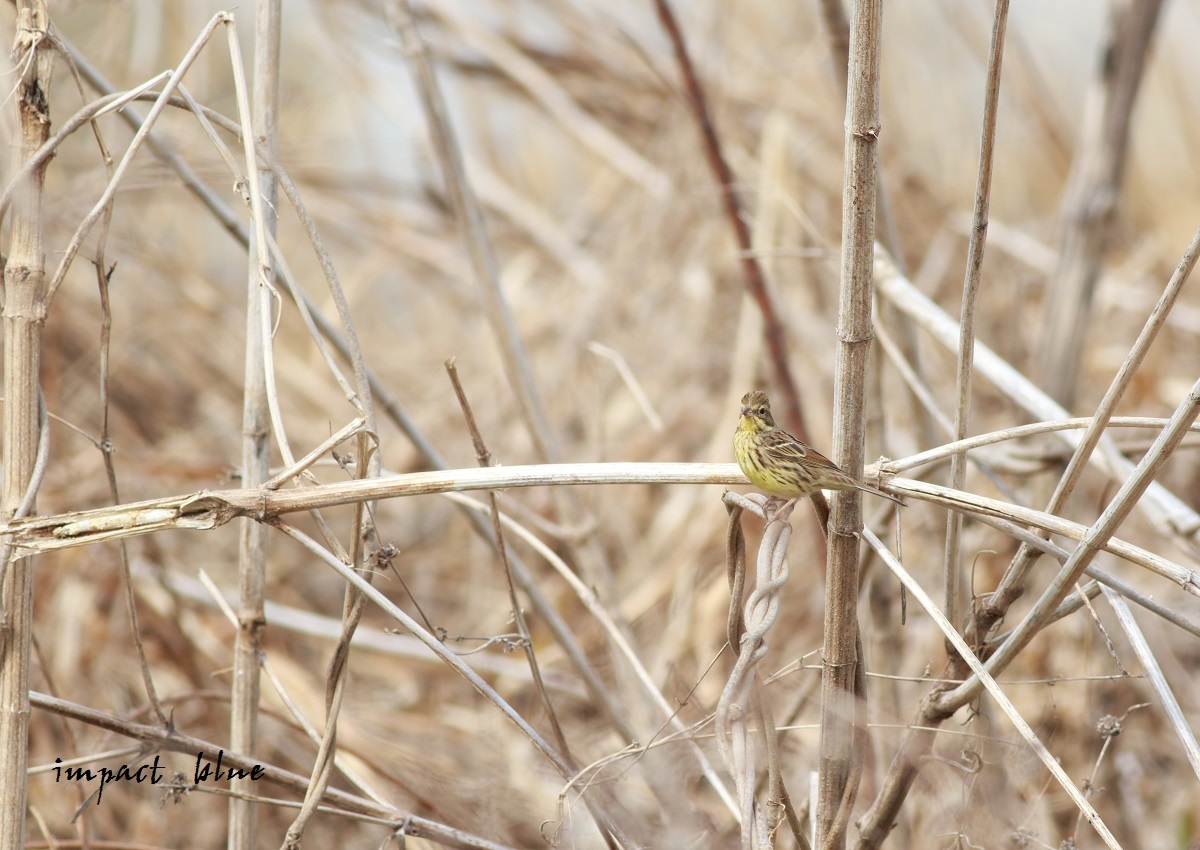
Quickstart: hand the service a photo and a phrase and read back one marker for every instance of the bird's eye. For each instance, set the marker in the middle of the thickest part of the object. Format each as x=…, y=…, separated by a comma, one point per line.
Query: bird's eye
x=762, y=411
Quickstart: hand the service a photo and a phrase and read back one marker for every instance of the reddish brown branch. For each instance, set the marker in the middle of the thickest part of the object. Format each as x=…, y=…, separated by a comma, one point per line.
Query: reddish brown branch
x=752, y=272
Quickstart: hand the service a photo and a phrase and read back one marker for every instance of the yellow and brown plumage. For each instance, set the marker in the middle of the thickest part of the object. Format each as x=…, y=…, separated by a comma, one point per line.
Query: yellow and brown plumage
x=778, y=463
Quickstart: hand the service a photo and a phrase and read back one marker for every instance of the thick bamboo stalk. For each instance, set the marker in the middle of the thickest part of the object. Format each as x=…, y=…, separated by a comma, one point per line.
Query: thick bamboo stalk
x=24, y=315
x=256, y=443
x=841, y=739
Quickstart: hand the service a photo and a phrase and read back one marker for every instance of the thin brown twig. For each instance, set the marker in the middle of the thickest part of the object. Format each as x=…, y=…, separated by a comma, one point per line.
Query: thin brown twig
x=485, y=459
x=752, y=272
x=1108, y=727
x=103, y=443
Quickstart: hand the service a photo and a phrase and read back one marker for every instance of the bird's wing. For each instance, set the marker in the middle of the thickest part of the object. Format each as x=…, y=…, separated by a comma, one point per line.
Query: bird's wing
x=782, y=447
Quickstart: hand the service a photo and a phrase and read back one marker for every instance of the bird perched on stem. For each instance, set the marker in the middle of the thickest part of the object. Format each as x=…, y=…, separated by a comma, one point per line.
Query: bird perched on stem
x=783, y=466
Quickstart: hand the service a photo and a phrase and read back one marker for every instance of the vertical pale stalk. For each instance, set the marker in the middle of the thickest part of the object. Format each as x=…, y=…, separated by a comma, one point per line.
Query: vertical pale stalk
x=469, y=215
x=836, y=791
x=1094, y=192
x=951, y=573
x=24, y=314
x=252, y=544
x=837, y=33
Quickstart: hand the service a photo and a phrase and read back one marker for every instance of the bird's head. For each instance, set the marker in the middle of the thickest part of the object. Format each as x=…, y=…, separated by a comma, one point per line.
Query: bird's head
x=756, y=412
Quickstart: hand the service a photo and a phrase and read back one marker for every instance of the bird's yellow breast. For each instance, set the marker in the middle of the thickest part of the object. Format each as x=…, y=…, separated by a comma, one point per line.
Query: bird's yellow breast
x=749, y=459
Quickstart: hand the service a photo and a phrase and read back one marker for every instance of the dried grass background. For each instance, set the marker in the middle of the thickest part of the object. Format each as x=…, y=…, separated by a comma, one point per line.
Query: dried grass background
x=594, y=262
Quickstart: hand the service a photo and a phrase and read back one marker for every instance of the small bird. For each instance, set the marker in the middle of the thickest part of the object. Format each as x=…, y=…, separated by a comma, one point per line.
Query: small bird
x=777, y=462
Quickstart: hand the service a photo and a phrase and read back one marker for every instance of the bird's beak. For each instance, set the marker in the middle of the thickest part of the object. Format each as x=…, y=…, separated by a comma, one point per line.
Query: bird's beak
x=745, y=411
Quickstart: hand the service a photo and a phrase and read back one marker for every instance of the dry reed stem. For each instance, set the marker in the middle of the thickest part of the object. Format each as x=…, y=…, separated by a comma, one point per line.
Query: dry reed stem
x=1166, y=511
x=842, y=709
x=261, y=403
x=953, y=593
x=240, y=825
x=24, y=314
x=471, y=224
x=245, y=689
x=1012, y=584
x=837, y=33
x=209, y=509
x=1092, y=542
x=940, y=704
x=982, y=507
x=265, y=238
x=347, y=348
x=1093, y=194
x=1017, y=432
